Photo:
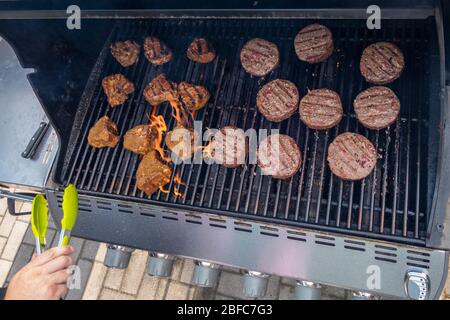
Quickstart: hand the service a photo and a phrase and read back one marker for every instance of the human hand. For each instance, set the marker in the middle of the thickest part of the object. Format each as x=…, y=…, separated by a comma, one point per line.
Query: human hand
x=43, y=278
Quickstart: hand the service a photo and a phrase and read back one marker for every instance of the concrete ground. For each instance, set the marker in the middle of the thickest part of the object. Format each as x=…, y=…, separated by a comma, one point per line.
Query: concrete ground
x=100, y=282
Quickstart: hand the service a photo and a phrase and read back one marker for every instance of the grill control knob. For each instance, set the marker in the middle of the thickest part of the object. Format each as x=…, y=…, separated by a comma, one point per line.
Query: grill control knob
x=255, y=284
x=307, y=290
x=117, y=256
x=359, y=295
x=160, y=264
x=417, y=285
x=205, y=274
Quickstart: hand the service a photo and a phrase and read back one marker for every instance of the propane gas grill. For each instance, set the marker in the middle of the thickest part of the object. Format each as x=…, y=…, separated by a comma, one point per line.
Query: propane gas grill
x=298, y=227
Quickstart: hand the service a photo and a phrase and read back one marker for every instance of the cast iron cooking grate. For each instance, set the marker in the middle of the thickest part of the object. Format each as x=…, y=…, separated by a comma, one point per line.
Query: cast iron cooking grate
x=390, y=204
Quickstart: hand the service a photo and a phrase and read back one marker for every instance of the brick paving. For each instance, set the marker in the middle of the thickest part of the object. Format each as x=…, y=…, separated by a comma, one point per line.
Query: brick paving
x=100, y=282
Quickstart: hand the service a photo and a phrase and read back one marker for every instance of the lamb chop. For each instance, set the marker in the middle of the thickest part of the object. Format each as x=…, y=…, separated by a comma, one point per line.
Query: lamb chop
x=152, y=173
x=126, y=52
x=103, y=133
x=159, y=90
x=140, y=139
x=117, y=88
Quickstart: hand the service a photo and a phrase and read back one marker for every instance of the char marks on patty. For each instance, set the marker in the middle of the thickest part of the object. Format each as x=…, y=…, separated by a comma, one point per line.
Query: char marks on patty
x=200, y=51
x=377, y=107
x=126, y=52
x=321, y=109
x=259, y=57
x=279, y=156
x=277, y=100
x=193, y=96
x=117, y=88
x=382, y=63
x=156, y=51
x=159, y=90
x=314, y=43
x=351, y=156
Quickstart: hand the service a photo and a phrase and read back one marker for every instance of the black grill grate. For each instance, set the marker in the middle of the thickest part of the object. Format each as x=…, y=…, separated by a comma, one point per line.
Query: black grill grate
x=389, y=204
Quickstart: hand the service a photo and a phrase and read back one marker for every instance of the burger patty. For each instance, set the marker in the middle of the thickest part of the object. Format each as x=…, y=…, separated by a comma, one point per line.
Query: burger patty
x=321, y=109
x=279, y=156
x=377, y=107
x=117, y=88
x=140, y=139
x=382, y=63
x=229, y=147
x=194, y=97
x=159, y=90
x=156, y=51
x=103, y=134
x=200, y=51
x=351, y=156
x=314, y=43
x=152, y=173
x=126, y=53
x=277, y=100
x=181, y=141
x=259, y=57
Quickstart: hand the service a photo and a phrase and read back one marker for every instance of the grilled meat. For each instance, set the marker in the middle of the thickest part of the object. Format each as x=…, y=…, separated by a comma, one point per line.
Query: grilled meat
x=279, y=156
x=377, y=107
x=194, y=97
x=382, y=63
x=126, y=52
x=314, y=43
x=321, y=109
x=117, y=88
x=277, y=100
x=159, y=90
x=103, y=134
x=200, y=51
x=229, y=147
x=156, y=51
x=181, y=141
x=152, y=173
x=351, y=156
x=259, y=57
x=140, y=139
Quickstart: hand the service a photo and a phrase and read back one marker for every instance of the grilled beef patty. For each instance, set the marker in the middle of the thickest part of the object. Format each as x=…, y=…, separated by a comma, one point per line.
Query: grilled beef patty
x=117, y=88
x=200, y=51
x=140, y=139
x=314, y=43
x=159, y=90
x=194, y=97
x=259, y=57
x=321, y=109
x=126, y=52
x=351, y=156
x=103, y=134
x=279, y=156
x=229, y=147
x=381, y=63
x=152, y=173
x=377, y=107
x=181, y=141
x=277, y=100
x=156, y=51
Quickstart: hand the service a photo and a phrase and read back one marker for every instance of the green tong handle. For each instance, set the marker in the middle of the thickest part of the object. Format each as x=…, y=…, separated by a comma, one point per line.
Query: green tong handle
x=39, y=221
x=70, y=213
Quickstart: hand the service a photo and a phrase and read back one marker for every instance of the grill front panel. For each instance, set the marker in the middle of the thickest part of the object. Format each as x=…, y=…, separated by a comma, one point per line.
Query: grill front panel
x=390, y=204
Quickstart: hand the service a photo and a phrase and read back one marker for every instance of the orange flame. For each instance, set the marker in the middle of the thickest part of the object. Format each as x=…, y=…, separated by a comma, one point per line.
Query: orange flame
x=178, y=183
x=160, y=125
x=181, y=115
